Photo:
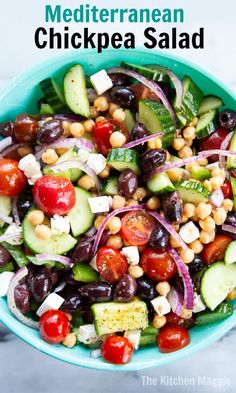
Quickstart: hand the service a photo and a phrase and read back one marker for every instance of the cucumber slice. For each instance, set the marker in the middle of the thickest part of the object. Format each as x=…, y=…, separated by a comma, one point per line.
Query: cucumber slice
x=72, y=174
x=233, y=184
x=129, y=121
x=149, y=71
x=160, y=184
x=200, y=173
x=46, y=109
x=122, y=159
x=5, y=207
x=191, y=101
x=191, y=191
x=157, y=118
x=75, y=91
x=81, y=218
x=231, y=161
x=217, y=281
x=207, y=124
x=223, y=311
x=55, y=245
x=53, y=94
x=210, y=103
x=118, y=317
x=84, y=273
x=7, y=268
x=110, y=186
x=230, y=253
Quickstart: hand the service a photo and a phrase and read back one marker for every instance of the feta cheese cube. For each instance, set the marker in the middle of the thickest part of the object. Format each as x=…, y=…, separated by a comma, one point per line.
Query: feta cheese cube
x=97, y=162
x=93, y=263
x=16, y=230
x=101, y=82
x=31, y=168
x=131, y=254
x=134, y=337
x=87, y=334
x=189, y=232
x=161, y=305
x=60, y=225
x=83, y=155
x=52, y=302
x=198, y=304
x=5, y=279
x=99, y=204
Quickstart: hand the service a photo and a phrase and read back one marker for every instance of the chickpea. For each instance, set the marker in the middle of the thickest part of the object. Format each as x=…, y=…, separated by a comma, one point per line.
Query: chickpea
x=185, y=152
x=216, y=171
x=77, y=130
x=163, y=288
x=50, y=156
x=231, y=295
x=208, y=224
x=203, y=161
x=186, y=314
x=61, y=150
x=66, y=127
x=100, y=118
x=155, y=143
x=216, y=182
x=159, y=322
x=203, y=210
x=184, y=219
x=114, y=225
x=135, y=271
x=131, y=202
x=189, y=167
x=187, y=256
x=228, y=205
x=112, y=108
x=178, y=143
x=175, y=174
x=88, y=125
x=98, y=221
x=194, y=122
x=70, y=340
x=208, y=185
x=173, y=242
x=86, y=182
x=118, y=202
x=219, y=215
x=119, y=115
x=205, y=237
x=43, y=232
x=189, y=210
x=117, y=139
x=93, y=112
x=140, y=194
x=24, y=151
x=36, y=217
x=153, y=203
x=105, y=173
x=115, y=241
x=196, y=246
x=189, y=133
x=101, y=104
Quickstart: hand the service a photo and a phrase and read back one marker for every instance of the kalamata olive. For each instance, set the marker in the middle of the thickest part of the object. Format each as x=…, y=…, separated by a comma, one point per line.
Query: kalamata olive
x=7, y=129
x=24, y=203
x=41, y=285
x=52, y=273
x=172, y=207
x=22, y=298
x=146, y=289
x=125, y=289
x=4, y=256
x=82, y=252
x=196, y=265
x=159, y=238
x=72, y=303
x=152, y=159
x=119, y=79
x=228, y=118
x=139, y=131
x=50, y=132
x=231, y=219
x=69, y=278
x=25, y=128
x=97, y=292
x=87, y=314
x=123, y=96
x=128, y=183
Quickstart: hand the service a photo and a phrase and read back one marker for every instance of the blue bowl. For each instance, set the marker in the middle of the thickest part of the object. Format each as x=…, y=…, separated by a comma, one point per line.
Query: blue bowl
x=21, y=96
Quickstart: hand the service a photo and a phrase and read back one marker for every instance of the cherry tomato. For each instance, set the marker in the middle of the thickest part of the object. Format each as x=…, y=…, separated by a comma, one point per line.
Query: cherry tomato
x=102, y=132
x=227, y=189
x=12, y=179
x=171, y=338
x=111, y=264
x=215, y=250
x=213, y=141
x=54, y=326
x=142, y=92
x=54, y=195
x=136, y=227
x=158, y=265
x=117, y=350
x=174, y=319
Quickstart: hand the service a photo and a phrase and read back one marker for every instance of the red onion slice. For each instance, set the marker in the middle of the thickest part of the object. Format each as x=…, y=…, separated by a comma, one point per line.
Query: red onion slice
x=137, y=142
x=229, y=228
x=11, y=299
x=67, y=262
x=175, y=298
x=217, y=197
x=183, y=271
x=6, y=219
x=66, y=143
x=169, y=228
x=5, y=142
x=224, y=145
x=153, y=86
x=15, y=211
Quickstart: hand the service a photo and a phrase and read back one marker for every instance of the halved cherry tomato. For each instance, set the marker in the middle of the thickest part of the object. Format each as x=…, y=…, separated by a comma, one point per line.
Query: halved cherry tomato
x=215, y=250
x=171, y=338
x=117, y=350
x=102, y=131
x=158, y=265
x=54, y=326
x=54, y=195
x=136, y=227
x=111, y=264
x=142, y=92
x=174, y=319
x=213, y=141
x=227, y=189
x=12, y=179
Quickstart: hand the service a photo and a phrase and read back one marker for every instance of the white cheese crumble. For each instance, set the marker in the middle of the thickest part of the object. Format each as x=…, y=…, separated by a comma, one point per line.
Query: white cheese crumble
x=93, y=263
x=134, y=337
x=87, y=334
x=17, y=231
x=131, y=254
x=189, y=232
x=31, y=168
x=60, y=225
x=52, y=302
x=198, y=304
x=99, y=204
x=97, y=162
x=161, y=305
x=101, y=82
x=5, y=279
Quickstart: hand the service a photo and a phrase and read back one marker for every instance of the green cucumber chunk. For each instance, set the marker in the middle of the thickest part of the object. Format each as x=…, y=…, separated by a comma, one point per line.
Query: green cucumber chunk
x=160, y=184
x=223, y=311
x=83, y=272
x=200, y=173
x=122, y=159
x=149, y=71
x=55, y=245
x=53, y=94
x=7, y=268
x=191, y=101
x=191, y=191
x=233, y=184
x=230, y=253
x=157, y=118
x=81, y=218
x=75, y=91
x=17, y=254
x=150, y=330
x=5, y=207
x=46, y=109
x=216, y=283
x=207, y=124
x=72, y=174
x=210, y=103
x=231, y=161
x=114, y=317
x=110, y=186
x=149, y=339
x=129, y=121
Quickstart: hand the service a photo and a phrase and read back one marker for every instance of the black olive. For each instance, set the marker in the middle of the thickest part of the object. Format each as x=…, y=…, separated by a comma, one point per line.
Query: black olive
x=172, y=207
x=50, y=132
x=152, y=159
x=128, y=183
x=228, y=118
x=123, y=96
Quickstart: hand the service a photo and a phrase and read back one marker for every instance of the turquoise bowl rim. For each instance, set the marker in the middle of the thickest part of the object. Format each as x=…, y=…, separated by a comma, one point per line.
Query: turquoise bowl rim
x=65, y=354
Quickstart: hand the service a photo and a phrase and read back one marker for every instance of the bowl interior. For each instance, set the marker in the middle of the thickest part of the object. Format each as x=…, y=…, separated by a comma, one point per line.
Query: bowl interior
x=21, y=96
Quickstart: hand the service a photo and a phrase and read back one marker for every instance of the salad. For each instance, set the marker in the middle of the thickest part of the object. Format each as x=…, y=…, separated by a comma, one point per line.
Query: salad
x=117, y=202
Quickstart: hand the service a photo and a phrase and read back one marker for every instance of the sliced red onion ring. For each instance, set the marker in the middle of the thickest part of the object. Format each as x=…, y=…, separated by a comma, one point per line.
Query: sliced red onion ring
x=137, y=142
x=169, y=228
x=63, y=166
x=5, y=142
x=66, y=143
x=67, y=262
x=183, y=271
x=91, y=232
x=224, y=145
x=217, y=197
x=229, y=228
x=5, y=218
x=15, y=211
x=175, y=298
x=95, y=353
x=11, y=299
x=153, y=86
x=110, y=215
